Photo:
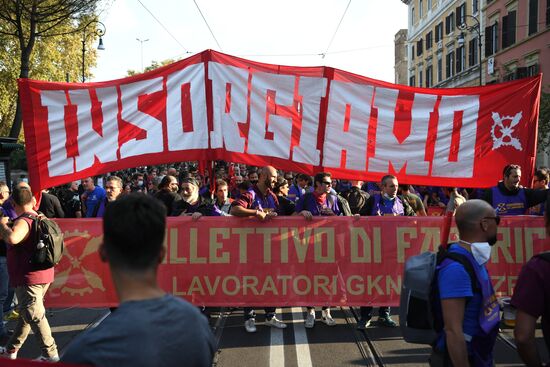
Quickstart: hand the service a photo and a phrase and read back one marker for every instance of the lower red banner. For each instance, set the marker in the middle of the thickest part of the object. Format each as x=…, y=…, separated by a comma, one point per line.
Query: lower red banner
x=284, y=262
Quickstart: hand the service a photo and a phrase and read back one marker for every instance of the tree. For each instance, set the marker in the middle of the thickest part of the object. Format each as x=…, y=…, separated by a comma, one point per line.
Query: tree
x=154, y=65
x=25, y=24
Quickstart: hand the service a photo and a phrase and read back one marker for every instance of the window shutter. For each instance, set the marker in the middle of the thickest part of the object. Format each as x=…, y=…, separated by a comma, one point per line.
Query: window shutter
x=505, y=31
x=488, y=41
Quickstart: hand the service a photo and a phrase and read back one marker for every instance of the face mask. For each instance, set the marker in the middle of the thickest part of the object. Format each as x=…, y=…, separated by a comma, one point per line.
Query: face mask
x=481, y=251
x=387, y=196
x=140, y=183
x=253, y=182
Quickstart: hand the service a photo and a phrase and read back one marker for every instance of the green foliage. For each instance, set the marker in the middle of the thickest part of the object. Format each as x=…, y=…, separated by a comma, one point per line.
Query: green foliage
x=154, y=65
x=18, y=159
x=544, y=123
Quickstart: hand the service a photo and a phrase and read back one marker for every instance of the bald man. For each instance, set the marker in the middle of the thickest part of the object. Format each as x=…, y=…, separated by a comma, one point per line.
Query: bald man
x=259, y=202
x=469, y=308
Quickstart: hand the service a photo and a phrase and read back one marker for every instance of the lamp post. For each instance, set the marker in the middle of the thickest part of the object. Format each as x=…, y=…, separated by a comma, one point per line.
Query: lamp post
x=141, y=45
x=99, y=31
x=476, y=27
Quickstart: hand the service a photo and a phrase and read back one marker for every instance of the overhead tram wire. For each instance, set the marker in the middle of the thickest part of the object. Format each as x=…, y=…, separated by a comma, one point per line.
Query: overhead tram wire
x=210, y=29
x=336, y=31
x=164, y=27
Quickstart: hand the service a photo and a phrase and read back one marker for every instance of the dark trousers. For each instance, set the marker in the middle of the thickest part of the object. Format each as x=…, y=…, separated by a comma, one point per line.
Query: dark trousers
x=250, y=314
x=366, y=312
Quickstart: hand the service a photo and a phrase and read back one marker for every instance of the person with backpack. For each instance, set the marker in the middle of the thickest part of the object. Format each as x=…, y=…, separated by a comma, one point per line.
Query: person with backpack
x=356, y=197
x=30, y=284
x=466, y=309
x=320, y=202
x=532, y=300
x=387, y=203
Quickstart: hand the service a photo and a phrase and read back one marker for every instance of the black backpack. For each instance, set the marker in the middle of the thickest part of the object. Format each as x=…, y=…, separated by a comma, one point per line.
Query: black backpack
x=49, y=242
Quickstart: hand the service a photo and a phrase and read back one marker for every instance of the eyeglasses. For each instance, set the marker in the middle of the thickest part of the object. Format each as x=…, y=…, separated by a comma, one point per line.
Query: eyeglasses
x=497, y=219
x=326, y=182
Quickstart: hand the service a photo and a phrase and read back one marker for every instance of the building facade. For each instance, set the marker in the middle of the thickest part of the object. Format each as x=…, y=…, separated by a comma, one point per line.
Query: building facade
x=444, y=43
x=401, y=59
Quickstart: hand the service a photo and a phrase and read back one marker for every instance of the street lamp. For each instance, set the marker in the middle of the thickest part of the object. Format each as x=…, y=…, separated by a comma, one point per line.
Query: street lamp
x=99, y=31
x=141, y=44
x=476, y=28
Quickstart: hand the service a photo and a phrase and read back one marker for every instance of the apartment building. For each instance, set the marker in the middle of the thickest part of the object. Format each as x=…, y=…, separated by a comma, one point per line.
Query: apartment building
x=444, y=43
x=517, y=40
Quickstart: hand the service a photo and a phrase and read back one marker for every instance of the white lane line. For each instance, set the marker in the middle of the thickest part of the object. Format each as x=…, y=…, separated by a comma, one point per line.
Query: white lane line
x=277, y=349
x=300, y=338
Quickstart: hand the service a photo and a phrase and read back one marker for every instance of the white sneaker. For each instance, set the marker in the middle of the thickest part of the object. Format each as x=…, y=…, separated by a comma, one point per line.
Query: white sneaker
x=48, y=359
x=327, y=318
x=250, y=325
x=310, y=320
x=4, y=353
x=275, y=322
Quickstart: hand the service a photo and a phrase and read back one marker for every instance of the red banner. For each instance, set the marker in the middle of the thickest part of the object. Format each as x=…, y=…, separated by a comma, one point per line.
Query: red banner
x=284, y=262
x=214, y=106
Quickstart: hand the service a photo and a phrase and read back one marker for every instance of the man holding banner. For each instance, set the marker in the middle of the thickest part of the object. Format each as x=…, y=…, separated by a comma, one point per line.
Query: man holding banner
x=259, y=202
x=387, y=203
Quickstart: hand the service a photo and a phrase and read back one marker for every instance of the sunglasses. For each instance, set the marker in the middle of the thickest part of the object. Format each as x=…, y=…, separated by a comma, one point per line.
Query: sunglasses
x=497, y=219
x=326, y=182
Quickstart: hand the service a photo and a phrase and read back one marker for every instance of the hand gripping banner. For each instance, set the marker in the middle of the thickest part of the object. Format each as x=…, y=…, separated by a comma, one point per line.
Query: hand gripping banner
x=288, y=261
x=214, y=106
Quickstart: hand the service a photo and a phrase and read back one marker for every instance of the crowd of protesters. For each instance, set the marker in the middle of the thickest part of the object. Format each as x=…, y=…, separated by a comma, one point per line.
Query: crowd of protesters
x=230, y=189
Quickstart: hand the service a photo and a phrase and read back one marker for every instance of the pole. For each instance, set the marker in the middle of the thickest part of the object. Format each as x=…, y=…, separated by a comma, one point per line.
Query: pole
x=141, y=46
x=480, y=59
x=83, y=55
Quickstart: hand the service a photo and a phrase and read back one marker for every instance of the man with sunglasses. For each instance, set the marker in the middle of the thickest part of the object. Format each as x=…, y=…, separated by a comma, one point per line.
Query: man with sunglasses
x=540, y=182
x=509, y=197
x=466, y=304
x=320, y=202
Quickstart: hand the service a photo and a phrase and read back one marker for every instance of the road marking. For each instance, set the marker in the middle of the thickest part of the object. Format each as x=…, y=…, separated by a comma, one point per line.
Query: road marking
x=300, y=338
x=277, y=349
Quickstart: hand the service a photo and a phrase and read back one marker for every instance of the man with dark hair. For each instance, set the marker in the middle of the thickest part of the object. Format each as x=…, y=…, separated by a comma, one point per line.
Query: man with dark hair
x=168, y=192
x=260, y=202
x=532, y=300
x=540, y=182
x=299, y=189
x=286, y=206
x=253, y=177
x=30, y=284
x=321, y=202
x=387, y=203
x=509, y=197
x=356, y=197
x=466, y=304
x=70, y=200
x=170, y=331
x=412, y=199
x=222, y=200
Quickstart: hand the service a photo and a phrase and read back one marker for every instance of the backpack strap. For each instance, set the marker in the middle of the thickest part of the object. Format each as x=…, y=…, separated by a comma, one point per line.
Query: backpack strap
x=35, y=219
x=463, y=260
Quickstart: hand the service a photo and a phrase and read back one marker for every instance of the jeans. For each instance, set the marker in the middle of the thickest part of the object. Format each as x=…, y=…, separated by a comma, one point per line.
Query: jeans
x=3, y=290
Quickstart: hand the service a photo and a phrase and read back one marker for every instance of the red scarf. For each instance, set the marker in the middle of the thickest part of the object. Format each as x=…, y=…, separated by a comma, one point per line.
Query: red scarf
x=320, y=199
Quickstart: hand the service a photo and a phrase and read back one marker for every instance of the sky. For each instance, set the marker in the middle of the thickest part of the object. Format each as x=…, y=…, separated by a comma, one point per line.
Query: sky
x=355, y=36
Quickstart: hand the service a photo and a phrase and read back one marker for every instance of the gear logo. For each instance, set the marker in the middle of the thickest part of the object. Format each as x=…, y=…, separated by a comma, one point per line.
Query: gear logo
x=74, y=278
x=505, y=131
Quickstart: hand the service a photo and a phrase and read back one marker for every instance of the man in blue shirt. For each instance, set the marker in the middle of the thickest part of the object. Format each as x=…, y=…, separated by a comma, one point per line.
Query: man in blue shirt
x=91, y=197
x=469, y=308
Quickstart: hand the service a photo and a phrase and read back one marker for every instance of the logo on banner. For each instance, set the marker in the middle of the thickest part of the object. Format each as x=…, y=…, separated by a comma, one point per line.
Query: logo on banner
x=505, y=131
x=65, y=278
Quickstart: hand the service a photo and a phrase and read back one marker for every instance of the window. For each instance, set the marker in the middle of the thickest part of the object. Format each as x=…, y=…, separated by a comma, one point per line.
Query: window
x=420, y=10
x=429, y=5
x=509, y=29
x=450, y=59
x=411, y=81
x=439, y=70
x=533, y=70
x=533, y=16
x=473, y=52
x=475, y=6
x=461, y=15
x=491, y=38
x=460, y=59
x=412, y=15
x=548, y=13
x=439, y=31
x=419, y=47
x=429, y=40
x=420, y=78
x=450, y=23
x=412, y=52
x=429, y=76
